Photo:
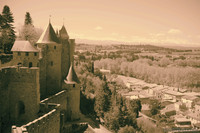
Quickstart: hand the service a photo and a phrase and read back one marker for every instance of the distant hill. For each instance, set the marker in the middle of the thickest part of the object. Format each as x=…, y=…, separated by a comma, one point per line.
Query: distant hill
x=110, y=42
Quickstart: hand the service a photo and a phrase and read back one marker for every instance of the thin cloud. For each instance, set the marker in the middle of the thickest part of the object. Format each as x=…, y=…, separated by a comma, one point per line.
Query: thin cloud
x=174, y=31
x=98, y=28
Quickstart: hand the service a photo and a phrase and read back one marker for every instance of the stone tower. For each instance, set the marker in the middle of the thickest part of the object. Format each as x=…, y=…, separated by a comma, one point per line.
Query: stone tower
x=64, y=40
x=72, y=85
x=19, y=94
x=50, y=62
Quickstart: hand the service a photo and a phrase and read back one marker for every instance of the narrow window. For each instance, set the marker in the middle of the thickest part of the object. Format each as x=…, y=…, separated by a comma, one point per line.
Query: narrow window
x=19, y=54
x=27, y=53
x=54, y=47
x=21, y=108
x=30, y=64
x=35, y=54
x=51, y=63
x=74, y=86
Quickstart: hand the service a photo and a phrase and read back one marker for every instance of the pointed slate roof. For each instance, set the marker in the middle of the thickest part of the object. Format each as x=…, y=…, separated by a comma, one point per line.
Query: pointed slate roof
x=72, y=77
x=48, y=36
x=23, y=46
x=63, y=33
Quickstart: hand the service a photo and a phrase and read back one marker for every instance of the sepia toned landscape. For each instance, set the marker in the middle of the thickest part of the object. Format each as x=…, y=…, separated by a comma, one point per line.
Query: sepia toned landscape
x=90, y=66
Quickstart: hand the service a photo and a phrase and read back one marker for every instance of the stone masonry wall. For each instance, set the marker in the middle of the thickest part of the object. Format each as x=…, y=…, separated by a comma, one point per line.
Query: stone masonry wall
x=48, y=123
x=4, y=97
x=24, y=89
x=59, y=98
x=18, y=86
x=65, y=58
x=53, y=72
x=24, y=60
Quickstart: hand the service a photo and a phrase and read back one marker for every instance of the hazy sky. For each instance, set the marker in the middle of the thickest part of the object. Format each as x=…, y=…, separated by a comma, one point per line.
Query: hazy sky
x=153, y=21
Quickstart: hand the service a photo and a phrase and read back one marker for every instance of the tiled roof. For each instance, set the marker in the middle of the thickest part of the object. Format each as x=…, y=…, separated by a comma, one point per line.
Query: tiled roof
x=48, y=36
x=23, y=46
x=63, y=33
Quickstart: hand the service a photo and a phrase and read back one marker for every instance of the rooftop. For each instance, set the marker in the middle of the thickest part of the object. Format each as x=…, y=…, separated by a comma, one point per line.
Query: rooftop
x=172, y=92
x=181, y=119
x=48, y=36
x=72, y=77
x=23, y=46
x=63, y=33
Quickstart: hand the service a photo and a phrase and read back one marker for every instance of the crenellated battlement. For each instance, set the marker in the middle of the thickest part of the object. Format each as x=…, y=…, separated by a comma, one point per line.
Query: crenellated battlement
x=18, y=69
x=43, y=123
x=17, y=74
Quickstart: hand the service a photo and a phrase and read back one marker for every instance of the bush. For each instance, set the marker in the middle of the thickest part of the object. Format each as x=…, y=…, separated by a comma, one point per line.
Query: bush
x=127, y=129
x=168, y=114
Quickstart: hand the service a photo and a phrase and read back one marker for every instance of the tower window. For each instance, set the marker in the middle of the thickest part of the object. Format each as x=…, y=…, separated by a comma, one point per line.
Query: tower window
x=19, y=54
x=54, y=47
x=51, y=63
x=30, y=64
x=27, y=53
x=19, y=64
x=35, y=54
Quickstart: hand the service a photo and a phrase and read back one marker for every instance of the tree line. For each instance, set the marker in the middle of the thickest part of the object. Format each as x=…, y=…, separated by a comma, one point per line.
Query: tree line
x=100, y=99
x=184, y=77
x=8, y=32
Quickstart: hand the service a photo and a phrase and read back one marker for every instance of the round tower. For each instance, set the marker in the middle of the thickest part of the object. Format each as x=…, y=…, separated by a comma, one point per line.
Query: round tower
x=72, y=85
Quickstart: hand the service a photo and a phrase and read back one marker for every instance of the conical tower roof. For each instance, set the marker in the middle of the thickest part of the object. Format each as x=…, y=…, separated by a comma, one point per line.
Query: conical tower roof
x=48, y=36
x=72, y=77
x=63, y=33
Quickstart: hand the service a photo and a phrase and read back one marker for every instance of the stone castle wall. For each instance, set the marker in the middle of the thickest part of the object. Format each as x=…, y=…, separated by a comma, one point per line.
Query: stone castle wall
x=4, y=97
x=20, y=87
x=59, y=98
x=65, y=58
x=47, y=123
x=50, y=121
x=25, y=60
x=42, y=66
x=54, y=71
x=72, y=49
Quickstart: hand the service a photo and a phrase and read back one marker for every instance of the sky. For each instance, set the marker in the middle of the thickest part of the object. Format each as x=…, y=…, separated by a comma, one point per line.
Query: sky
x=172, y=22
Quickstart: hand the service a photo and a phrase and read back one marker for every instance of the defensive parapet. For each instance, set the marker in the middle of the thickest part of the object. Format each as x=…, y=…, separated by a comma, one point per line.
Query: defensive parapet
x=51, y=120
x=58, y=98
x=47, y=123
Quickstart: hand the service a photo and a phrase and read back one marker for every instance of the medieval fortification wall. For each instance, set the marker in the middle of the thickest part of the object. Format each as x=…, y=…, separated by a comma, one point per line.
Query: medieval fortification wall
x=51, y=120
x=19, y=86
